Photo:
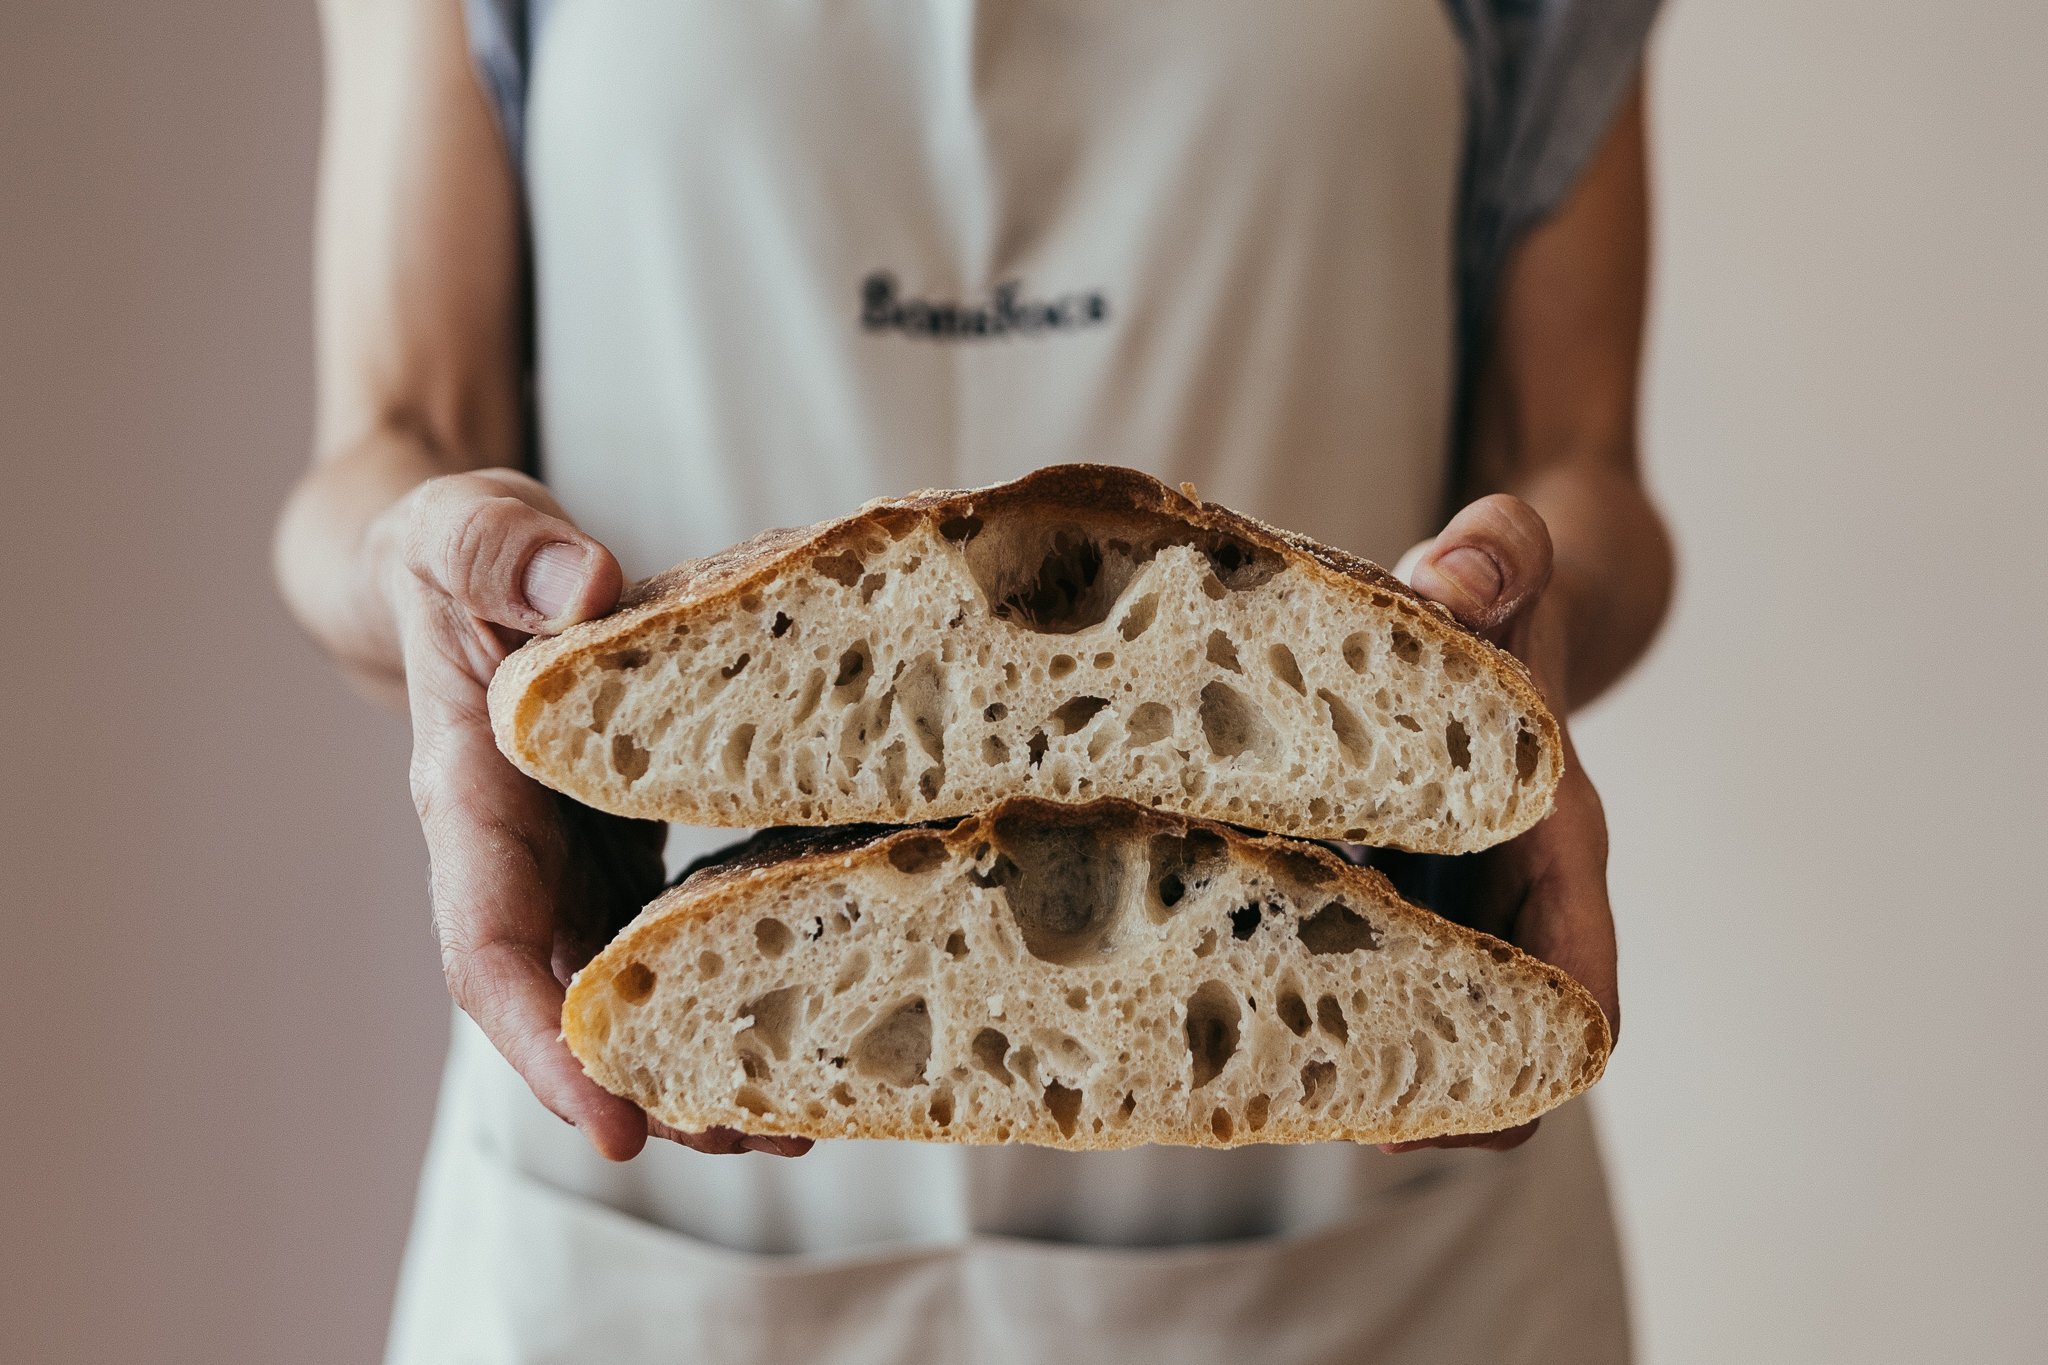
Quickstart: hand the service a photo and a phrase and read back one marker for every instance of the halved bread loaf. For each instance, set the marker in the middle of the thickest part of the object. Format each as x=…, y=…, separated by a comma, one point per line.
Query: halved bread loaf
x=1086, y=976
x=1082, y=632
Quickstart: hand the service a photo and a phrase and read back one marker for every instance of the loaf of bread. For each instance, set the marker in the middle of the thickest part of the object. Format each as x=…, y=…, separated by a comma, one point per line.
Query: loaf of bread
x=1082, y=632
x=1082, y=976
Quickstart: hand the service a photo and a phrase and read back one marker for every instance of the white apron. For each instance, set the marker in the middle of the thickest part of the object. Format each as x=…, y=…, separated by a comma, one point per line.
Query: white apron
x=793, y=254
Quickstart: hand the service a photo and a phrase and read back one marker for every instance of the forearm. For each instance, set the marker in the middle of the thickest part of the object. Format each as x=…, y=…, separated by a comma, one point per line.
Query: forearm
x=1611, y=584
x=329, y=558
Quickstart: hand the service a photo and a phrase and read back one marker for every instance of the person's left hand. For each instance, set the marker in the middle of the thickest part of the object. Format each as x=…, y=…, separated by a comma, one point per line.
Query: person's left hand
x=1545, y=890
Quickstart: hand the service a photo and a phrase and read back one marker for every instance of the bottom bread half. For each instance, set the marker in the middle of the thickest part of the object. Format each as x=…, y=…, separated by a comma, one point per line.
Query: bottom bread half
x=1077, y=976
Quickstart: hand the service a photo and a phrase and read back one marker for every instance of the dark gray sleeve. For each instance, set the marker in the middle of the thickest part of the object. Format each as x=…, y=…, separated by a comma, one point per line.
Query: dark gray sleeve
x=1543, y=78
x=501, y=44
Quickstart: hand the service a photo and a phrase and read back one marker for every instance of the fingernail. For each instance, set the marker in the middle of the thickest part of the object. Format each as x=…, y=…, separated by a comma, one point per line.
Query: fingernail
x=554, y=579
x=1471, y=574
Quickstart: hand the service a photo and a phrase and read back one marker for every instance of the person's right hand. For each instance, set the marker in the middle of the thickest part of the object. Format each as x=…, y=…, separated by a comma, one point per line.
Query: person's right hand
x=527, y=885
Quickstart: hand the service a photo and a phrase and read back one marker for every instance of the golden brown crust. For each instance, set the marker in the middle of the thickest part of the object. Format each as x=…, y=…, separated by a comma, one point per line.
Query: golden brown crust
x=753, y=872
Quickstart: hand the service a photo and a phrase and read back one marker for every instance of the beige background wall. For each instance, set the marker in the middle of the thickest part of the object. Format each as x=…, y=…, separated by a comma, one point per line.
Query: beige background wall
x=221, y=1019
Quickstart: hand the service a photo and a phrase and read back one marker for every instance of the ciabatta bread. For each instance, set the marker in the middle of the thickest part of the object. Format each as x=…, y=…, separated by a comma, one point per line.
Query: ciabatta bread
x=1087, y=976
x=1082, y=632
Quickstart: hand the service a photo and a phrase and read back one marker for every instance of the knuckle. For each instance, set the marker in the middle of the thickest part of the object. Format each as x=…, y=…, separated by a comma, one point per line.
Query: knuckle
x=480, y=553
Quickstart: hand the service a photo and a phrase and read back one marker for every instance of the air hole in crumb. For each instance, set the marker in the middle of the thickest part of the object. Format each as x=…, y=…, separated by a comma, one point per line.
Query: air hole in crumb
x=956, y=945
x=1330, y=1018
x=1293, y=1012
x=635, y=983
x=733, y=762
x=1337, y=928
x=1357, y=650
x=1222, y=653
x=852, y=678
x=1128, y=1107
x=1035, y=747
x=1206, y=944
x=895, y=1049
x=1231, y=724
x=1461, y=1089
x=843, y=569
x=1285, y=668
x=624, y=660
x=989, y=1048
x=941, y=1106
x=709, y=963
x=1352, y=739
x=1213, y=1012
x=1149, y=723
x=1060, y=667
x=1063, y=888
x=781, y=626
x=1244, y=921
x=1075, y=713
x=993, y=751
x=814, y=688
x=1318, y=1081
x=1077, y=999
x=917, y=853
x=871, y=585
x=1239, y=565
x=994, y=711
x=1255, y=1112
x=751, y=1099
x=1407, y=648
x=1219, y=1124
x=774, y=1016
x=629, y=760
x=1526, y=752
x=961, y=528
x=1139, y=618
x=773, y=938
x=609, y=694
x=1407, y=722
x=1175, y=862
x=1065, y=1106
x=732, y=670
x=1459, y=743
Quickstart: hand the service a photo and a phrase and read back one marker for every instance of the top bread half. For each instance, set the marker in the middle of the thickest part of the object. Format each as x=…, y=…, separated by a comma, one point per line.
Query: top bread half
x=1082, y=632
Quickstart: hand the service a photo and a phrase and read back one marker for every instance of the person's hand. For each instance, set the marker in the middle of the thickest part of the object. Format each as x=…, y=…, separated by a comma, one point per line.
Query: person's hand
x=1545, y=890
x=527, y=885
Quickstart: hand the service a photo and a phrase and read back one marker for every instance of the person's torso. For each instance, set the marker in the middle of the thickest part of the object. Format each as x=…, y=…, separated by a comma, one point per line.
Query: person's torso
x=793, y=254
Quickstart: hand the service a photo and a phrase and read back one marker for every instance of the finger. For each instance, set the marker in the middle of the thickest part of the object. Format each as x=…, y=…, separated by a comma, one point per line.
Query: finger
x=729, y=1141
x=494, y=858
x=481, y=539
x=1505, y=1140
x=1486, y=565
x=1566, y=918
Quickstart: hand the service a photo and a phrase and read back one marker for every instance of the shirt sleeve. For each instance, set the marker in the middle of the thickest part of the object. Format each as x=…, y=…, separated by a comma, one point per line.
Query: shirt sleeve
x=1543, y=79
x=500, y=33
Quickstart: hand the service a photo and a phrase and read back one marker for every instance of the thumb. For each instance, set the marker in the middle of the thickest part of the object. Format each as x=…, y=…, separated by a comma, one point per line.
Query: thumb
x=484, y=542
x=1490, y=562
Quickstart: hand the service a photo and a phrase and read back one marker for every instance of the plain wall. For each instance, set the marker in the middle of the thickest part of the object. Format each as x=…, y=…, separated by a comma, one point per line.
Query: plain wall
x=222, y=1019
